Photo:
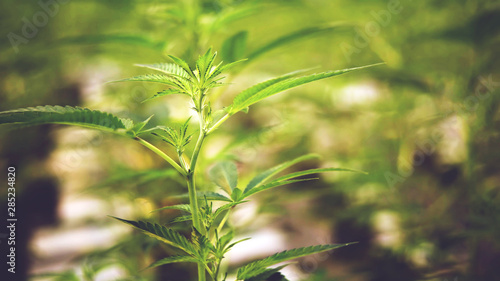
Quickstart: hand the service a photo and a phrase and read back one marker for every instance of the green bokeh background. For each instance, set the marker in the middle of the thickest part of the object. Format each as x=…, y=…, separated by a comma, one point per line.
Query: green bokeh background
x=425, y=126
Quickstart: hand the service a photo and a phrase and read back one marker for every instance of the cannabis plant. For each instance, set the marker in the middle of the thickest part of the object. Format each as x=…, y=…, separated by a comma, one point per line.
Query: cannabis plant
x=210, y=237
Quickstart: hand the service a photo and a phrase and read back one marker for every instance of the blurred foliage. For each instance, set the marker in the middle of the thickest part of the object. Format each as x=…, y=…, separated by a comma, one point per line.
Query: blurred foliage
x=425, y=127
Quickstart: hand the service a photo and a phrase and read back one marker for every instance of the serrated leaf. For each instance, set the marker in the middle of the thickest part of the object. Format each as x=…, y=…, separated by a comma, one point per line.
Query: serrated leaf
x=258, y=267
x=165, y=93
x=224, y=241
x=181, y=219
x=205, y=63
x=137, y=128
x=247, y=94
x=218, y=70
x=202, y=242
x=168, y=68
x=263, y=177
x=267, y=274
x=164, y=235
x=67, y=116
x=213, y=196
x=254, y=95
x=225, y=207
x=225, y=175
x=180, y=207
x=172, y=259
x=295, y=36
x=270, y=185
x=182, y=64
x=233, y=48
x=235, y=243
x=314, y=171
x=156, y=78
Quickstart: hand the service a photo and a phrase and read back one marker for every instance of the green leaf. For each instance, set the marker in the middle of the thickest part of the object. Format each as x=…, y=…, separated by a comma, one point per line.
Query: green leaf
x=182, y=64
x=224, y=241
x=203, y=243
x=258, y=267
x=295, y=36
x=156, y=78
x=164, y=93
x=177, y=138
x=225, y=175
x=247, y=94
x=204, y=64
x=180, y=207
x=67, y=116
x=172, y=259
x=267, y=274
x=269, y=186
x=249, y=97
x=235, y=243
x=221, y=68
x=164, y=235
x=181, y=219
x=137, y=128
x=234, y=47
x=168, y=68
x=314, y=171
x=263, y=177
x=236, y=195
x=223, y=208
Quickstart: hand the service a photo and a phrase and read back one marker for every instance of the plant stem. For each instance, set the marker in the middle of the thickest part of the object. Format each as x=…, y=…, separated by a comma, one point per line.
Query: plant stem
x=193, y=203
x=193, y=200
x=196, y=151
x=223, y=221
x=162, y=155
x=201, y=272
x=216, y=125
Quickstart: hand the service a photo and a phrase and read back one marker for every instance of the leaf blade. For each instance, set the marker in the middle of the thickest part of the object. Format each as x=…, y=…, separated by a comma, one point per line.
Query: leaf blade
x=67, y=115
x=233, y=48
x=264, y=176
x=163, y=234
x=315, y=171
x=179, y=207
x=249, y=92
x=224, y=174
x=165, y=93
x=258, y=267
x=270, y=185
x=172, y=259
x=252, y=97
x=167, y=68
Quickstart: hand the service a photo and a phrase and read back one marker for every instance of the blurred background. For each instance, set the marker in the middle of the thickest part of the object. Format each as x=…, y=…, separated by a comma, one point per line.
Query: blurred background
x=425, y=126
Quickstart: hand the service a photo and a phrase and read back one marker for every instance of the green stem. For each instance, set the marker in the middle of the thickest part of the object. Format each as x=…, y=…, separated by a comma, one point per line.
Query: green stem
x=218, y=268
x=196, y=152
x=162, y=155
x=216, y=125
x=223, y=221
x=201, y=272
x=193, y=200
x=193, y=203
